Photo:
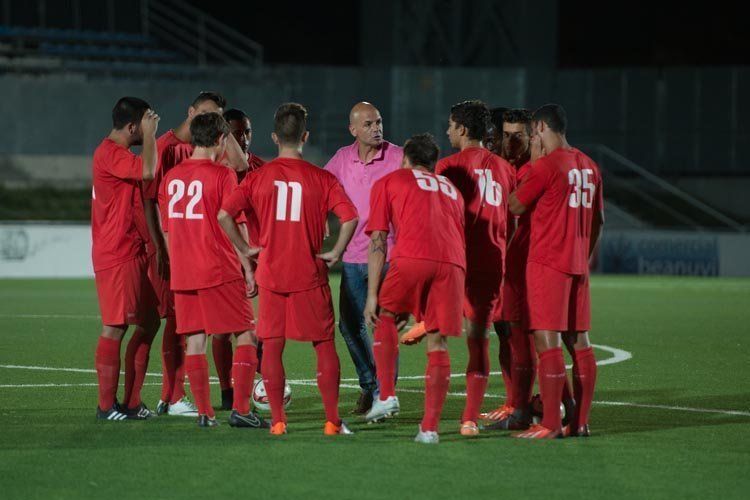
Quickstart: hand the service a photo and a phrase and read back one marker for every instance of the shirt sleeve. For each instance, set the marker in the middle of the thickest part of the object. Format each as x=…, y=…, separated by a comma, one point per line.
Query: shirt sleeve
x=163, y=208
x=534, y=184
x=599, y=196
x=380, y=216
x=238, y=200
x=228, y=184
x=339, y=203
x=126, y=165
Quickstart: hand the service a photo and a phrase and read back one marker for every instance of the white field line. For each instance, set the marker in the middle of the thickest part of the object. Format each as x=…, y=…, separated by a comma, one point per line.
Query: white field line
x=312, y=382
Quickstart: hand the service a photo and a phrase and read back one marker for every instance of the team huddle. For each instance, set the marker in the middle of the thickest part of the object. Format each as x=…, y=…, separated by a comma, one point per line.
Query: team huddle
x=196, y=226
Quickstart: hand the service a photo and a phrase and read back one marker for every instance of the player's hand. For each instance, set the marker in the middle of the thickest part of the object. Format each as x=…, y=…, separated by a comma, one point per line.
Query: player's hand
x=401, y=321
x=537, y=151
x=252, y=286
x=331, y=257
x=371, y=311
x=162, y=263
x=252, y=252
x=149, y=122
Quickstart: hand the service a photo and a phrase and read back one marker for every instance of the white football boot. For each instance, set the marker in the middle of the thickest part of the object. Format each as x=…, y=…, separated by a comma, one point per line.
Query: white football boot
x=427, y=437
x=183, y=408
x=383, y=409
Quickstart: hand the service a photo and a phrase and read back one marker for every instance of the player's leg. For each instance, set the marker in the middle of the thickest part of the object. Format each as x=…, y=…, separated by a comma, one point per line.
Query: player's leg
x=437, y=382
x=196, y=366
x=136, y=363
x=385, y=349
x=107, y=363
x=352, y=298
x=221, y=348
x=244, y=366
x=329, y=376
x=477, y=373
x=523, y=359
x=274, y=380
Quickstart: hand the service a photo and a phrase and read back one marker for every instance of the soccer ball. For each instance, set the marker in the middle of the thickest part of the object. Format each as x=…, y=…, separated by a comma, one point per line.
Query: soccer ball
x=260, y=398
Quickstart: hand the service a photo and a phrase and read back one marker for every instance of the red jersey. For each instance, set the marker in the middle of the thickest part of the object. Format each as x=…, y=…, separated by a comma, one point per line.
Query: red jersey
x=291, y=199
x=518, y=246
x=563, y=190
x=485, y=180
x=254, y=162
x=200, y=253
x=117, y=219
x=170, y=151
x=427, y=213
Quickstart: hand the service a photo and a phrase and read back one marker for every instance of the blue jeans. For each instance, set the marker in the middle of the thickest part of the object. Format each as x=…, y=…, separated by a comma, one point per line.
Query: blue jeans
x=352, y=301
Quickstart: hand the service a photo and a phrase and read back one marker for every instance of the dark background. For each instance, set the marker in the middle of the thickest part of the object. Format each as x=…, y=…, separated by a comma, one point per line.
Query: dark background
x=626, y=33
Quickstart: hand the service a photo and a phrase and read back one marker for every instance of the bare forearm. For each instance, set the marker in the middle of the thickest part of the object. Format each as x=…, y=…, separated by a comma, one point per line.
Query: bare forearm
x=243, y=259
x=377, y=254
x=230, y=227
x=235, y=156
x=153, y=224
x=345, y=235
x=515, y=206
x=149, y=156
x=596, y=233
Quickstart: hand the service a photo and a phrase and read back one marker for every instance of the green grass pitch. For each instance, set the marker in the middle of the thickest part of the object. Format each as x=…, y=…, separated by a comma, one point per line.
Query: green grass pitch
x=671, y=422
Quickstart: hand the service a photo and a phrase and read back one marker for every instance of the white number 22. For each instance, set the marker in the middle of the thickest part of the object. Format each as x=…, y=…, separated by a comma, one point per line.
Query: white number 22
x=583, y=189
x=176, y=190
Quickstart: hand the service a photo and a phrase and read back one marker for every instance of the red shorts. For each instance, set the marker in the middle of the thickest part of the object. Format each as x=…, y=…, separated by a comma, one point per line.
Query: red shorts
x=557, y=301
x=220, y=309
x=432, y=291
x=125, y=294
x=164, y=294
x=482, y=297
x=305, y=316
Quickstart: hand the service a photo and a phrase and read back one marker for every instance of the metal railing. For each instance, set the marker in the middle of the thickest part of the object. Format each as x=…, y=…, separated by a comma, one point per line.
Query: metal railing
x=663, y=196
x=202, y=38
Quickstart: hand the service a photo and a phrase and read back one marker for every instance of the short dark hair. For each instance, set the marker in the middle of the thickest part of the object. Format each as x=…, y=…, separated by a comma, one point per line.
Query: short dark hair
x=235, y=114
x=210, y=96
x=474, y=115
x=128, y=110
x=554, y=116
x=290, y=123
x=207, y=128
x=518, y=115
x=496, y=118
x=422, y=150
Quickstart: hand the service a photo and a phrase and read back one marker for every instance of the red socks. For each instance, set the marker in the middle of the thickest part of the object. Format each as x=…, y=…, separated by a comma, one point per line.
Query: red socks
x=243, y=372
x=274, y=378
x=107, y=363
x=136, y=364
x=504, y=355
x=329, y=374
x=196, y=367
x=437, y=380
x=172, y=363
x=584, y=380
x=552, y=378
x=385, y=351
x=522, y=366
x=477, y=373
x=221, y=347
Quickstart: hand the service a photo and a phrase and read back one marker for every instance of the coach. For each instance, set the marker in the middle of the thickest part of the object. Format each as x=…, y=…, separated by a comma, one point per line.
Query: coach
x=357, y=167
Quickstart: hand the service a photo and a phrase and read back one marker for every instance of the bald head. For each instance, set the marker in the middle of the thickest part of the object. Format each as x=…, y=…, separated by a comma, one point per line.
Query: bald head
x=366, y=124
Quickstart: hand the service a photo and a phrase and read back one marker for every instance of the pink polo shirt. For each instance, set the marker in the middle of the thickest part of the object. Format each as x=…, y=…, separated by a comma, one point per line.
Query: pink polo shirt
x=357, y=179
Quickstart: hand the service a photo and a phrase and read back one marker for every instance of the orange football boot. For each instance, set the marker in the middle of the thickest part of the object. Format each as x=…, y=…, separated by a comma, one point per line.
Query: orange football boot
x=538, y=431
x=415, y=335
x=469, y=429
x=331, y=429
x=504, y=411
x=278, y=428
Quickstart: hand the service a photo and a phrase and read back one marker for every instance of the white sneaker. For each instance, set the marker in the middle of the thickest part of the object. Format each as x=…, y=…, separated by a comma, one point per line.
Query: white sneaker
x=383, y=409
x=183, y=408
x=427, y=437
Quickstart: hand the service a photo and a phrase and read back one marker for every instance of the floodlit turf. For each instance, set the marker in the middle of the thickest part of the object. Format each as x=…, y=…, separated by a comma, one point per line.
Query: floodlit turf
x=689, y=344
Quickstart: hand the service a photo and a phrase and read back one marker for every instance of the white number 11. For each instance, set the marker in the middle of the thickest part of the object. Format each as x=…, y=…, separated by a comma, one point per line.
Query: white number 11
x=282, y=189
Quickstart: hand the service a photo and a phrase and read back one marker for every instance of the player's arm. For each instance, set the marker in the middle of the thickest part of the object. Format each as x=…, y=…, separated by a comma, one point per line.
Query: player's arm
x=376, y=256
x=234, y=157
x=157, y=237
x=149, y=124
x=340, y=204
x=597, y=220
